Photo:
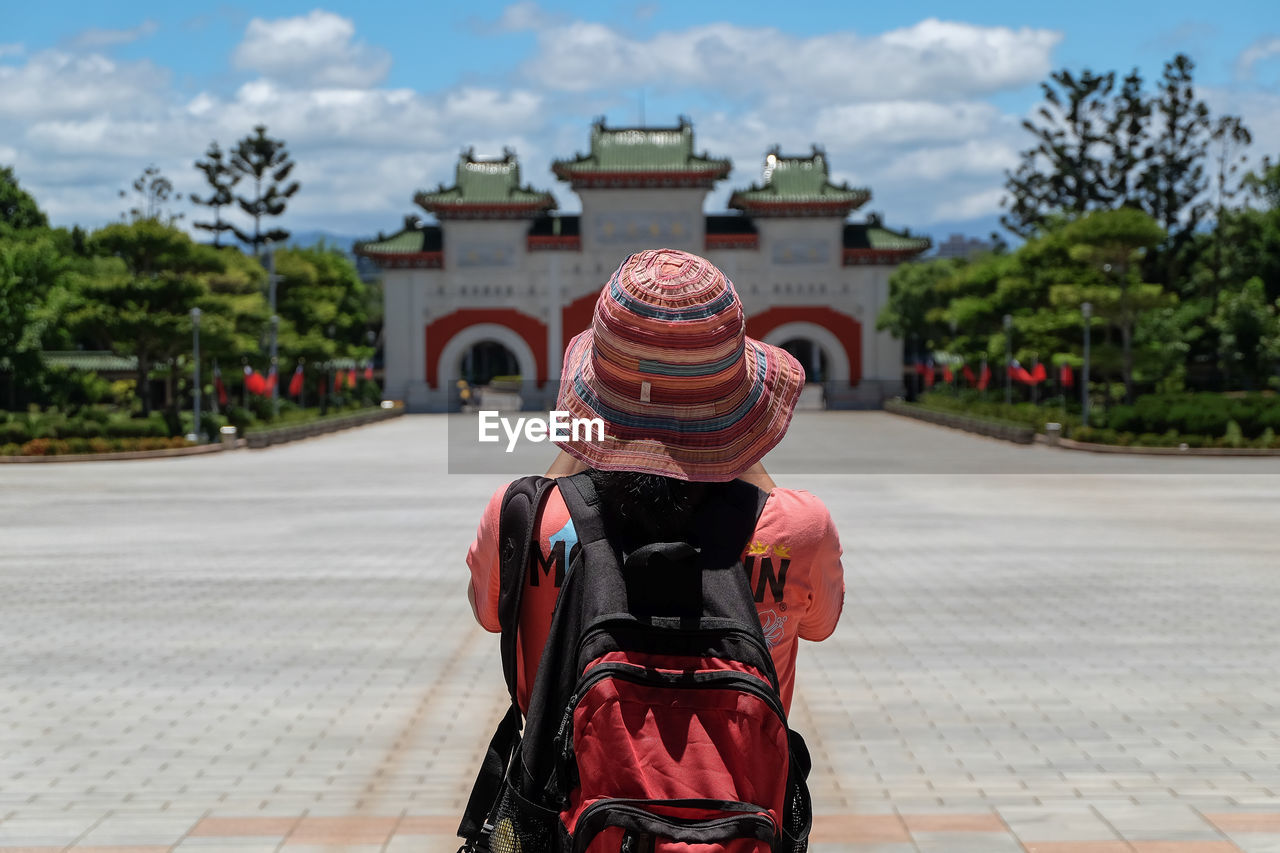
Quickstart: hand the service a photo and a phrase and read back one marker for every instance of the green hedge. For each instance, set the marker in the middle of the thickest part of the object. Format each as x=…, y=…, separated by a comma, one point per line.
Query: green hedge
x=21, y=427
x=1022, y=414
x=63, y=446
x=1198, y=414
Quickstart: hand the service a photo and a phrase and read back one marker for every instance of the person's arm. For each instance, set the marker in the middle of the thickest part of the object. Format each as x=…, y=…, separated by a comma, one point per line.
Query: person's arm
x=565, y=466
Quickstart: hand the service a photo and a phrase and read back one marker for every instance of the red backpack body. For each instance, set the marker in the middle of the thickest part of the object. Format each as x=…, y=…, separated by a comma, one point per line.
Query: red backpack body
x=654, y=722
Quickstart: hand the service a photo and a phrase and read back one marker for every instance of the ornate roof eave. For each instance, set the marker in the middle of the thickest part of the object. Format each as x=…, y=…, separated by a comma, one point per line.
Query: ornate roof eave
x=704, y=177
x=839, y=208
x=485, y=210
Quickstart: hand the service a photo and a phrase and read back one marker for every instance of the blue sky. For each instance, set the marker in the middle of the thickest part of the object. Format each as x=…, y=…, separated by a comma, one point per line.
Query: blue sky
x=919, y=101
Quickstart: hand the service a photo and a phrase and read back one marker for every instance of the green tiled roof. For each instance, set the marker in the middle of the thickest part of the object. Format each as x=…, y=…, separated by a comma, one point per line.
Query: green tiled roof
x=485, y=182
x=874, y=236
x=406, y=242
x=103, y=360
x=641, y=149
x=798, y=180
x=413, y=238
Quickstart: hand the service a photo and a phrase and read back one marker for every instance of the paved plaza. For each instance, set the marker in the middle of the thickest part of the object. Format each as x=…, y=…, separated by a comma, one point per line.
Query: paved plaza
x=1041, y=650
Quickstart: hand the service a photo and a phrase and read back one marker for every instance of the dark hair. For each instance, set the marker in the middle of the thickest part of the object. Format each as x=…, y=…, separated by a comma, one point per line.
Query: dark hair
x=646, y=507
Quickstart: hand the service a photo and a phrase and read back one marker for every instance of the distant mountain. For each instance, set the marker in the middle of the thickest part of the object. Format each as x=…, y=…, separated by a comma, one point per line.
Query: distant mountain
x=345, y=242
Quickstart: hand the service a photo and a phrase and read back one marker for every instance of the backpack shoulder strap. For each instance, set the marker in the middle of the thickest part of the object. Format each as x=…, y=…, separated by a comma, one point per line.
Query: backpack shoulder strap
x=516, y=535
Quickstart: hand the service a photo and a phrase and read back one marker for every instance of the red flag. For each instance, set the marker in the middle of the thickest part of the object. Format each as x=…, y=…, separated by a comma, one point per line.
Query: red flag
x=1038, y=373
x=337, y=381
x=984, y=379
x=967, y=373
x=255, y=382
x=928, y=376
x=1019, y=373
x=920, y=368
x=218, y=387
x=368, y=372
x=269, y=384
x=351, y=378
x=295, y=384
x=947, y=375
x=1067, y=376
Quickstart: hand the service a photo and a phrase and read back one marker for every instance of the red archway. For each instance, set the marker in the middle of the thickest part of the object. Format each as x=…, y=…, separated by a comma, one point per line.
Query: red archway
x=441, y=330
x=846, y=329
x=576, y=316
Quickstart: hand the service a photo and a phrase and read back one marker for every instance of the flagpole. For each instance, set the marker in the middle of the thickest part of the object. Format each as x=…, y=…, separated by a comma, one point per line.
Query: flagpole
x=195, y=353
x=1087, y=310
x=1008, y=359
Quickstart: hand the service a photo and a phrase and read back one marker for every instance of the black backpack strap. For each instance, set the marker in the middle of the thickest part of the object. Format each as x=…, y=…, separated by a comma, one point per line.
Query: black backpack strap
x=516, y=535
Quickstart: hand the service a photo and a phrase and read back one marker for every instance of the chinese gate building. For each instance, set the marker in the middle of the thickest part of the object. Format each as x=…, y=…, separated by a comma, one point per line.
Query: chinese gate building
x=502, y=283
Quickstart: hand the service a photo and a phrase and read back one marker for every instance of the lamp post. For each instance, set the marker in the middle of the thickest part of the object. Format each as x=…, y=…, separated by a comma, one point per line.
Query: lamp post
x=275, y=385
x=1086, y=309
x=272, y=278
x=195, y=355
x=1008, y=358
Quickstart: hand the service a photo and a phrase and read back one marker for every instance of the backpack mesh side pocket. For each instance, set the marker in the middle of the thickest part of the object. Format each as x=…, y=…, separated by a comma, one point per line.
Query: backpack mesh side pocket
x=520, y=826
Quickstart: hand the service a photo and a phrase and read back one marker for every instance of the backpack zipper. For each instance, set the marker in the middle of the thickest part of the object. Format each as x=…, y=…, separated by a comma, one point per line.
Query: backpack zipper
x=767, y=831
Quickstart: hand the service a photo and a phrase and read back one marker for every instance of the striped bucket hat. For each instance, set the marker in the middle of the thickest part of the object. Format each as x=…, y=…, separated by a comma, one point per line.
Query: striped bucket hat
x=667, y=365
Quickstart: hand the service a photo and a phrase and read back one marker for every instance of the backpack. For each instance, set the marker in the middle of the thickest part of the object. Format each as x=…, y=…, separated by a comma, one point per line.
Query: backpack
x=654, y=722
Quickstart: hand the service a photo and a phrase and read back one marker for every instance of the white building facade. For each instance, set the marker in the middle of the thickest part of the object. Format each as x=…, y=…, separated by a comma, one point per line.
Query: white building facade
x=502, y=283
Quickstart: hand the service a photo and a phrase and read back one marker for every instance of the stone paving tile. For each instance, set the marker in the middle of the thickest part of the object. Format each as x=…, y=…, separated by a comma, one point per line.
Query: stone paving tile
x=1246, y=821
x=1043, y=636
x=1184, y=847
x=1257, y=842
x=1076, y=846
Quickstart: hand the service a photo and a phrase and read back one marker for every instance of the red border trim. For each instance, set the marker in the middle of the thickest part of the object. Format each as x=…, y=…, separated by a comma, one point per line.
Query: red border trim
x=733, y=241
x=443, y=329
x=797, y=208
x=689, y=178
x=553, y=242
x=846, y=329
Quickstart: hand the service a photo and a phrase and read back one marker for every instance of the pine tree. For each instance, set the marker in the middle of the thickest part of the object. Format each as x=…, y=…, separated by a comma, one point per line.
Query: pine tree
x=221, y=178
x=154, y=191
x=1062, y=172
x=266, y=161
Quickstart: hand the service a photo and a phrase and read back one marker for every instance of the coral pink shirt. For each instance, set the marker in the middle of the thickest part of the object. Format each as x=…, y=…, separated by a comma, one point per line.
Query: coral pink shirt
x=793, y=559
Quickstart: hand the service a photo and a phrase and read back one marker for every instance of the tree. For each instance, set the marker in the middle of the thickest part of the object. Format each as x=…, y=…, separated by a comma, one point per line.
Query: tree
x=33, y=296
x=221, y=179
x=1248, y=328
x=18, y=210
x=1062, y=171
x=913, y=312
x=1173, y=182
x=138, y=299
x=1113, y=243
x=266, y=161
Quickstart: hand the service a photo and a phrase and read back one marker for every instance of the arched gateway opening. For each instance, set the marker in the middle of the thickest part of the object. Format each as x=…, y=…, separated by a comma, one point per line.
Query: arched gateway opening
x=485, y=360
x=817, y=367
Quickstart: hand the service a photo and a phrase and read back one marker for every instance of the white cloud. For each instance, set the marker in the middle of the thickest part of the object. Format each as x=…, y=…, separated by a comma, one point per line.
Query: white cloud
x=317, y=49
x=12, y=49
x=1261, y=50
x=55, y=83
x=98, y=38
x=972, y=206
x=898, y=122
x=525, y=15
x=932, y=59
